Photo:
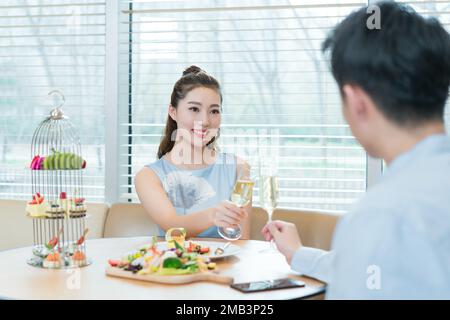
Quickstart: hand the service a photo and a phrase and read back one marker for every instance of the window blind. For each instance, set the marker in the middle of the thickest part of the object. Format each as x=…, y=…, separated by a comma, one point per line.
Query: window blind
x=277, y=88
x=47, y=45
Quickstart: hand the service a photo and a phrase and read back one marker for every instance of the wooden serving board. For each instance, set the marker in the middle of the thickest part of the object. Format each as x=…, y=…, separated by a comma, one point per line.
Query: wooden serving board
x=177, y=279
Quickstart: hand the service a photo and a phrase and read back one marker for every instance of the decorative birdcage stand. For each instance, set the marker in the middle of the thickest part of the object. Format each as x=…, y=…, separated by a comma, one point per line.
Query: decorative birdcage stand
x=58, y=209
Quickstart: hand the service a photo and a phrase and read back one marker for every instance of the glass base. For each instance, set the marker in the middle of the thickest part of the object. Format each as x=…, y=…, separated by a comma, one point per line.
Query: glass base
x=230, y=233
x=272, y=249
x=269, y=251
x=39, y=263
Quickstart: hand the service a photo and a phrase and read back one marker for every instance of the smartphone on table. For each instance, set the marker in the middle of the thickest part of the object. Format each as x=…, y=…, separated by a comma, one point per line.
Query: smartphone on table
x=256, y=286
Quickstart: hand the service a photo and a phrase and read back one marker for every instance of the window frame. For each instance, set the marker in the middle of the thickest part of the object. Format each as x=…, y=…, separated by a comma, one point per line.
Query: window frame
x=112, y=158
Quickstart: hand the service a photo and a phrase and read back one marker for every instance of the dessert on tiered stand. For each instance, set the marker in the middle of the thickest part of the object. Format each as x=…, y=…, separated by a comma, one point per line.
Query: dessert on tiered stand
x=53, y=258
x=78, y=258
x=37, y=207
x=77, y=207
x=57, y=208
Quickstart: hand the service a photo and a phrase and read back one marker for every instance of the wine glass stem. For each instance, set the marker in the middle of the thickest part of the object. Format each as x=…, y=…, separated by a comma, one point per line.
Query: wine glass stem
x=270, y=212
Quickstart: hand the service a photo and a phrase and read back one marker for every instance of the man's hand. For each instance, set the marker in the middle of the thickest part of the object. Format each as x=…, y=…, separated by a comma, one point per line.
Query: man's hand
x=285, y=235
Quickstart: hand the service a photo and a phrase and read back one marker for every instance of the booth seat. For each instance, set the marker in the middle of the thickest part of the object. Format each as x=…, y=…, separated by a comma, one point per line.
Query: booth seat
x=16, y=229
x=130, y=219
x=315, y=228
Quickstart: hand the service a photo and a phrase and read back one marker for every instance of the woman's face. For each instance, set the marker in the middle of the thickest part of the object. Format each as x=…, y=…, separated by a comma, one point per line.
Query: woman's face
x=198, y=116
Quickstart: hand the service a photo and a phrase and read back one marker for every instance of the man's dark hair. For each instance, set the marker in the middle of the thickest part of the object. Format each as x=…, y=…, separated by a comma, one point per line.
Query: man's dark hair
x=404, y=66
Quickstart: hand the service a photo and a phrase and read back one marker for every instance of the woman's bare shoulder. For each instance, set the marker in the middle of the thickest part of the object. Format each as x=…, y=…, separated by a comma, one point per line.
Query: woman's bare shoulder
x=147, y=176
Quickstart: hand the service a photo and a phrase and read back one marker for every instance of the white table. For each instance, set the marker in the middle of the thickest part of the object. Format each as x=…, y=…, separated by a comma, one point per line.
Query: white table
x=18, y=280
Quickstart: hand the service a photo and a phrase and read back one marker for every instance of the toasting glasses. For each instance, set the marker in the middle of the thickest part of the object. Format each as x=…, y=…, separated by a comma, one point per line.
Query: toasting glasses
x=241, y=196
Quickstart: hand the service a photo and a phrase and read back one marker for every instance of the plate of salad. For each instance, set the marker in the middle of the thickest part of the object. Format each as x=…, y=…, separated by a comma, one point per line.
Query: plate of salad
x=161, y=263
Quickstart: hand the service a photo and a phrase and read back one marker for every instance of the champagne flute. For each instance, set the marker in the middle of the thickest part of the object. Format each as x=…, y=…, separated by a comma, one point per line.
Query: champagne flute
x=241, y=196
x=268, y=194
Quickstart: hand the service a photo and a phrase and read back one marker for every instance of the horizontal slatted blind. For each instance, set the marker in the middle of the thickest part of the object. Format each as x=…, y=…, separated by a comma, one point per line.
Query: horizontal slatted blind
x=276, y=86
x=47, y=45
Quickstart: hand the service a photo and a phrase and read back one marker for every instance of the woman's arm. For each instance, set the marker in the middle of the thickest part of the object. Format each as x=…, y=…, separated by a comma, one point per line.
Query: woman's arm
x=158, y=206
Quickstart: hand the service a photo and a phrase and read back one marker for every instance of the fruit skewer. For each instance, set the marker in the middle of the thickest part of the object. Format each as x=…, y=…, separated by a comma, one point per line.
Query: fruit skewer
x=82, y=238
x=54, y=241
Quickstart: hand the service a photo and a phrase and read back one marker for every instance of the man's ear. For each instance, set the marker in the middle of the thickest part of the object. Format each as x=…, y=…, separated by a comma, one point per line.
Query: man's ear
x=172, y=111
x=356, y=100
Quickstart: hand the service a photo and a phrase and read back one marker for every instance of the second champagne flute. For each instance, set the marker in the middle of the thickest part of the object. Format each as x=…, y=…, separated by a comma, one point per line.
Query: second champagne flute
x=268, y=194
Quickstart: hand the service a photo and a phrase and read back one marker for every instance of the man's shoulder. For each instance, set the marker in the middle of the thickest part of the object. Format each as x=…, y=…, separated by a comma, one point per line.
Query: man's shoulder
x=421, y=184
x=422, y=207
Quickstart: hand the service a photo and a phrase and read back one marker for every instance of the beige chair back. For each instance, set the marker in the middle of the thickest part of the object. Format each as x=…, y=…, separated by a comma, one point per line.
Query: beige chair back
x=128, y=220
x=16, y=229
x=95, y=220
x=258, y=220
x=315, y=228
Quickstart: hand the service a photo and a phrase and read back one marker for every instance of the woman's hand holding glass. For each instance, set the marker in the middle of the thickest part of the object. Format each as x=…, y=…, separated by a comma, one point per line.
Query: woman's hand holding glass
x=228, y=215
x=241, y=197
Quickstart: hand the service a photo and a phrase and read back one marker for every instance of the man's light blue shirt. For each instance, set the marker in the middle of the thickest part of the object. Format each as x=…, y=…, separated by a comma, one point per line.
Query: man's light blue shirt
x=395, y=243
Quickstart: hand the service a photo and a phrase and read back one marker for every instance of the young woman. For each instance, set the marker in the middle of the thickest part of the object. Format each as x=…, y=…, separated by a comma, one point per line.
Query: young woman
x=191, y=182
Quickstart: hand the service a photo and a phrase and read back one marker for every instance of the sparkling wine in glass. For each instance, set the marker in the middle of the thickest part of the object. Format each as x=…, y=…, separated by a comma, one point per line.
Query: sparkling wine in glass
x=268, y=195
x=240, y=196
